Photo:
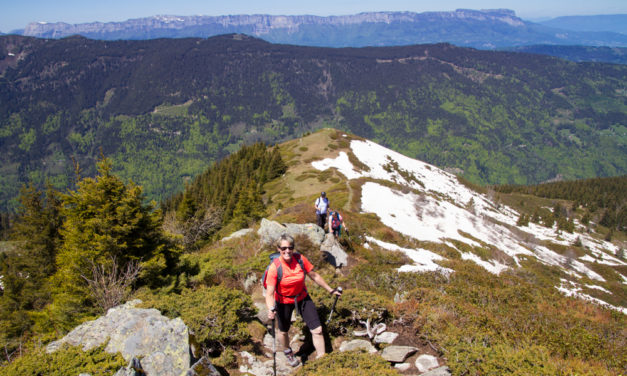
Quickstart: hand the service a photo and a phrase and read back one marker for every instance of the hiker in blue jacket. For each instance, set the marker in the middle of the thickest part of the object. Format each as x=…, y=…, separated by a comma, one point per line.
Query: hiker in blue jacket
x=322, y=208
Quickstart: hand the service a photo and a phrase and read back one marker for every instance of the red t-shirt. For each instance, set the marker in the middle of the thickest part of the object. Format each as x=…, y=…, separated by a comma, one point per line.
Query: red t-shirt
x=292, y=282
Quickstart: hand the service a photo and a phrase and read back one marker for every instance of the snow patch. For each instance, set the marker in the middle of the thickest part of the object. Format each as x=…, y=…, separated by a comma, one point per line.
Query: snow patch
x=424, y=260
x=493, y=267
x=570, y=288
x=604, y=259
x=599, y=288
x=341, y=163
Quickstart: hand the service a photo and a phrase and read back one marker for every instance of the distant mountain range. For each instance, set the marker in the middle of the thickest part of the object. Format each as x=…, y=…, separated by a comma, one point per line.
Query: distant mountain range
x=484, y=29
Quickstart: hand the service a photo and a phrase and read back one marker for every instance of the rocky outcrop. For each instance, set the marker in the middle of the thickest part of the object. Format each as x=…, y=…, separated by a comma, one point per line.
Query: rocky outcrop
x=161, y=344
x=238, y=234
x=334, y=252
x=270, y=231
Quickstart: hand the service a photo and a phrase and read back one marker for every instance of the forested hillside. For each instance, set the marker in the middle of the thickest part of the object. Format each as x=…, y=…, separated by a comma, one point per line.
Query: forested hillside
x=604, y=198
x=615, y=55
x=163, y=110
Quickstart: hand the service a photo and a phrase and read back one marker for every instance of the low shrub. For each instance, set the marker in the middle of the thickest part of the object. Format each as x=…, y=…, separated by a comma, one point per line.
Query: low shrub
x=217, y=316
x=349, y=363
x=501, y=359
x=69, y=360
x=227, y=359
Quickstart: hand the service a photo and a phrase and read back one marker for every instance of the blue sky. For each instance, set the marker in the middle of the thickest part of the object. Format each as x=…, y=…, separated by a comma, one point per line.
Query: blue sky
x=15, y=14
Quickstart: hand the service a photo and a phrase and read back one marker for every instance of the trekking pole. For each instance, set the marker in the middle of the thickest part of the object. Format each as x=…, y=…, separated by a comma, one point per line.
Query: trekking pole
x=274, y=341
x=333, y=307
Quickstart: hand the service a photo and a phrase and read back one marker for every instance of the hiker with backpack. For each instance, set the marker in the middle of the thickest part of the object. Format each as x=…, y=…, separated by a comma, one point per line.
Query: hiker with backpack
x=322, y=208
x=286, y=291
x=336, y=223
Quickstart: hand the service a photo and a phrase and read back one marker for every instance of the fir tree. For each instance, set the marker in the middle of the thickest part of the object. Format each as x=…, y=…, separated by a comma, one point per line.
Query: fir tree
x=105, y=220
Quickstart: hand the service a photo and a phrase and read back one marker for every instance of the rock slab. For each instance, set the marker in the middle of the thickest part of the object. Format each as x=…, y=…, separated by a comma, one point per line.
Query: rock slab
x=426, y=362
x=358, y=344
x=385, y=337
x=162, y=344
x=441, y=371
x=397, y=354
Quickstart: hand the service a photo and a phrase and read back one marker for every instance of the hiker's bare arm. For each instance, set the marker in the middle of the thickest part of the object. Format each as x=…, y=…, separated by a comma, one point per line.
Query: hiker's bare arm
x=322, y=283
x=270, y=301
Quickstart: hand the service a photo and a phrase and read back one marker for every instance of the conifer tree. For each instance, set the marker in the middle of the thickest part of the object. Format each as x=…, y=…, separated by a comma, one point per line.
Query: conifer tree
x=105, y=220
x=26, y=268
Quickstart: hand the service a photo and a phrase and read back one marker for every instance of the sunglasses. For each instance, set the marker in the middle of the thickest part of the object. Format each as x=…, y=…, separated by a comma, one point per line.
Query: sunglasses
x=291, y=248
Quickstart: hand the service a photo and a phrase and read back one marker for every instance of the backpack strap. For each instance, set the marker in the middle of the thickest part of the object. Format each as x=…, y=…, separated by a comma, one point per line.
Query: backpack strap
x=279, y=267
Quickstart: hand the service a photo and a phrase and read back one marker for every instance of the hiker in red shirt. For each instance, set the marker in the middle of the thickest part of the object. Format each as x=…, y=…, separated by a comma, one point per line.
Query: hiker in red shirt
x=291, y=293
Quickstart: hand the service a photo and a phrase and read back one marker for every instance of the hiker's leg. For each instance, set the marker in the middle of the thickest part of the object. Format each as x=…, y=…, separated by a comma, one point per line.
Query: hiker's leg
x=318, y=342
x=310, y=316
x=284, y=321
x=283, y=339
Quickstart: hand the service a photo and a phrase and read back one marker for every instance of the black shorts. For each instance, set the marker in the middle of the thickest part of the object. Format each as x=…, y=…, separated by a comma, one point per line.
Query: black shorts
x=307, y=310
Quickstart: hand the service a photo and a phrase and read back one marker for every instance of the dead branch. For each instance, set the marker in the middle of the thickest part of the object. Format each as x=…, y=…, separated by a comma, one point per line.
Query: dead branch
x=109, y=285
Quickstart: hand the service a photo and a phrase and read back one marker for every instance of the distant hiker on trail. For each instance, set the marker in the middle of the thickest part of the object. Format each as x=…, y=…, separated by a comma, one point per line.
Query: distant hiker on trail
x=336, y=222
x=322, y=208
x=291, y=293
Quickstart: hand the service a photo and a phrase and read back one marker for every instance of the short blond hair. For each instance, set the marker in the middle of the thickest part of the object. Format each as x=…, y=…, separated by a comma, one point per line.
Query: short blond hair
x=285, y=237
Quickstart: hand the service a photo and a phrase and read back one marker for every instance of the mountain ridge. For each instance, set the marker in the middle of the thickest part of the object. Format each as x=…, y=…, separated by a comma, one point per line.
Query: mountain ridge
x=486, y=29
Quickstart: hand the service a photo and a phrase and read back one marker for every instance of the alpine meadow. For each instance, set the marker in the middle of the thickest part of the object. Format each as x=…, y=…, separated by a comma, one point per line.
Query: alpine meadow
x=144, y=185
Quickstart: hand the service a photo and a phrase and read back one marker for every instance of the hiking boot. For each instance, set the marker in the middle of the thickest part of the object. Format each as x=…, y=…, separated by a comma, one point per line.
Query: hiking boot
x=291, y=359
